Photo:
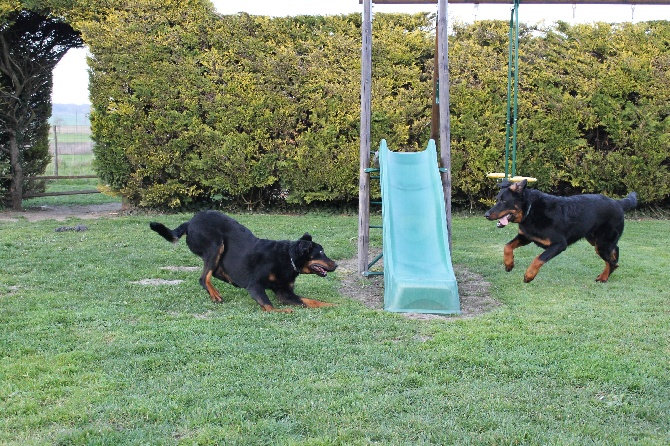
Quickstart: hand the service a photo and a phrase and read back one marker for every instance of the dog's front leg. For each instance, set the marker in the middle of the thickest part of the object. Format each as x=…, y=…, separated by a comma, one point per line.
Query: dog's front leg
x=508, y=252
x=552, y=251
x=312, y=303
x=290, y=298
x=260, y=296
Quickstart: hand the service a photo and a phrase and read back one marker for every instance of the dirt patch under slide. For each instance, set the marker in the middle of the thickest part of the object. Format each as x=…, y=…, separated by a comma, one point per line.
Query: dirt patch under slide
x=473, y=291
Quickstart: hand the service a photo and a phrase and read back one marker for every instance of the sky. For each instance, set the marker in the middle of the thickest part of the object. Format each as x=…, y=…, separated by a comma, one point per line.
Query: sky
x=71, y=76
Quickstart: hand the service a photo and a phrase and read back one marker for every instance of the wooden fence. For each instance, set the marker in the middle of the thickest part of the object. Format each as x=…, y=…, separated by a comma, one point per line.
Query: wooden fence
x=71, y=148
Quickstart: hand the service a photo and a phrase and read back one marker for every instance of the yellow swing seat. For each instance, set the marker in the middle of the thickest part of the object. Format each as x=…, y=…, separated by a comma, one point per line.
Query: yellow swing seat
x=514, y=179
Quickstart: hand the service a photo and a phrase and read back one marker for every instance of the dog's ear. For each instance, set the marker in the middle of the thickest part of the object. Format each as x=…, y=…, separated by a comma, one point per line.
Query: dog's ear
x=519, y=187
x=505, y=183
x=304, y=246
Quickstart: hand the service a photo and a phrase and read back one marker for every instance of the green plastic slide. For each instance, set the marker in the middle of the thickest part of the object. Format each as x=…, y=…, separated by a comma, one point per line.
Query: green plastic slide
x=418, y=275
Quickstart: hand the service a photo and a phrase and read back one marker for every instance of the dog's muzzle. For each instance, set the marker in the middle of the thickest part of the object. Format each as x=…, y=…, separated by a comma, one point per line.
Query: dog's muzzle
x=502, y=221
x=322, y=270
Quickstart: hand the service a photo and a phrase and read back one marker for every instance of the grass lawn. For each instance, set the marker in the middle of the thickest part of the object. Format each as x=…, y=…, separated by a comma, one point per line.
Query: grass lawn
x=87, y=356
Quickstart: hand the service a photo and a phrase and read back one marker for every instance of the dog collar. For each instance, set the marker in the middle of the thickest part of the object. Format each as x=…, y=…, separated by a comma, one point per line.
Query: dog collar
x=293, y=264
x=530, y=205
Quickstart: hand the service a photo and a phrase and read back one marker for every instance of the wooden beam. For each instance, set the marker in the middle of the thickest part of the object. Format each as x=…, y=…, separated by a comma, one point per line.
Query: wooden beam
x=61, y=177
x=527, y=2
x=445, y=121
x=366, y=110
x=57, y=194
x=435, y=108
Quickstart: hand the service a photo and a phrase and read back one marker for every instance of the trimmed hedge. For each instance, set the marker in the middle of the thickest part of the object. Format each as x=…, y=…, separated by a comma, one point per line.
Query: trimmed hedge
x=191, y=107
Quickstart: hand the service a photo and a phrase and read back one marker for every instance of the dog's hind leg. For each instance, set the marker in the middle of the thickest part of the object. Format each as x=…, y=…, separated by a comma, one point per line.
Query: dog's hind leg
x=611, y=257
x=211, y=260
x=606, y=247
x=206, y=283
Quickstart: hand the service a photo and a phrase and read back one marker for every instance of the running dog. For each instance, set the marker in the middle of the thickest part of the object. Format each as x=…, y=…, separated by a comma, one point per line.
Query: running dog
x=554, y=223
x=231, y=253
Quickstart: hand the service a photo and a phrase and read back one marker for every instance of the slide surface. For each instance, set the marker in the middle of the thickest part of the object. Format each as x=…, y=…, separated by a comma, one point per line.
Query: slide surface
x=418, y=275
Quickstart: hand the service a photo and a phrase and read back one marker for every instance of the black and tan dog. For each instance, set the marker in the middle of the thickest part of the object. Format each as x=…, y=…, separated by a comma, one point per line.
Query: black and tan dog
x=233, y=254
x=554, y=223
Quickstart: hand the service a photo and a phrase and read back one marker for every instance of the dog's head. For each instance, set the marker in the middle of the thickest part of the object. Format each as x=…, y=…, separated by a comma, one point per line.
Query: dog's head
x=308, y=257
x=510, y=204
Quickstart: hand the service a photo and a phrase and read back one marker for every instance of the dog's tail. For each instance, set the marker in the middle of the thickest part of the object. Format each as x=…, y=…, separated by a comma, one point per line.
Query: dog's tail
x=629, y=202
x=171, y=235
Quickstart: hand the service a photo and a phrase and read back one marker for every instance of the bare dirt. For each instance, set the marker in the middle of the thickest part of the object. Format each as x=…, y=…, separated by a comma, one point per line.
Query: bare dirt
x=473, y=289
x=61, y=213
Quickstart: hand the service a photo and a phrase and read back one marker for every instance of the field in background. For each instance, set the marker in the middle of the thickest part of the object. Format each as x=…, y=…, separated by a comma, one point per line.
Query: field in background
x=72, y=150
x=70, y=142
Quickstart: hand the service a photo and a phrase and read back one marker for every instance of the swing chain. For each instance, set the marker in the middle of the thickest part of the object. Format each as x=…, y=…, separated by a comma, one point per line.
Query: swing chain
x=512, y=91
x=512, y=100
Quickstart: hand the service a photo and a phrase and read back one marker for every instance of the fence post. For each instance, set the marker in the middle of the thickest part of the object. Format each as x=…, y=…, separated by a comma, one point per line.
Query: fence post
x=55, y=151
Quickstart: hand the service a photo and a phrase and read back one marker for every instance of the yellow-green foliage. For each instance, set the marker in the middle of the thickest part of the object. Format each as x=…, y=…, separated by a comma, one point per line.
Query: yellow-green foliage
x=246, y=107
x=190, y=105
x=593, y=107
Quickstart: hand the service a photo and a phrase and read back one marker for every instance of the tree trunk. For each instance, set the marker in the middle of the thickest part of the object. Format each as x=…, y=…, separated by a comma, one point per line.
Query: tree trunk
x=16, y=187
x=31, y=44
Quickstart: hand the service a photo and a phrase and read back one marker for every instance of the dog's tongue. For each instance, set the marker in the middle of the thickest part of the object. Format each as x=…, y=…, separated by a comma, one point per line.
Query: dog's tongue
x=503, y=221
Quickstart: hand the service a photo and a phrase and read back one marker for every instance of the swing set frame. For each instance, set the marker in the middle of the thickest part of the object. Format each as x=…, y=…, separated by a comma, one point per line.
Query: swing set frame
x=440, y=108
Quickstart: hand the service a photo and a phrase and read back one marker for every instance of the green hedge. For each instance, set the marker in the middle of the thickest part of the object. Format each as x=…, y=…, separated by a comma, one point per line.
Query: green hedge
x=243, y=108
x=593, y=107
x=190, y=106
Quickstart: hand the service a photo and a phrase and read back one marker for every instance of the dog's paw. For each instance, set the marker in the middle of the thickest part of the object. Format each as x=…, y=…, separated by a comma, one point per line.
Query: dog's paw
x=508, y=260
x=529, y=275
x=311, y=303
x=533, y=269
x=270, y=308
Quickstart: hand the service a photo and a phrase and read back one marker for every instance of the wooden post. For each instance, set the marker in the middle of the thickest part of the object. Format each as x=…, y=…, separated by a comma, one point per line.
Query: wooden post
x=55, y=151
x=445, y=129
x=366, y=107
x=435, y=109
